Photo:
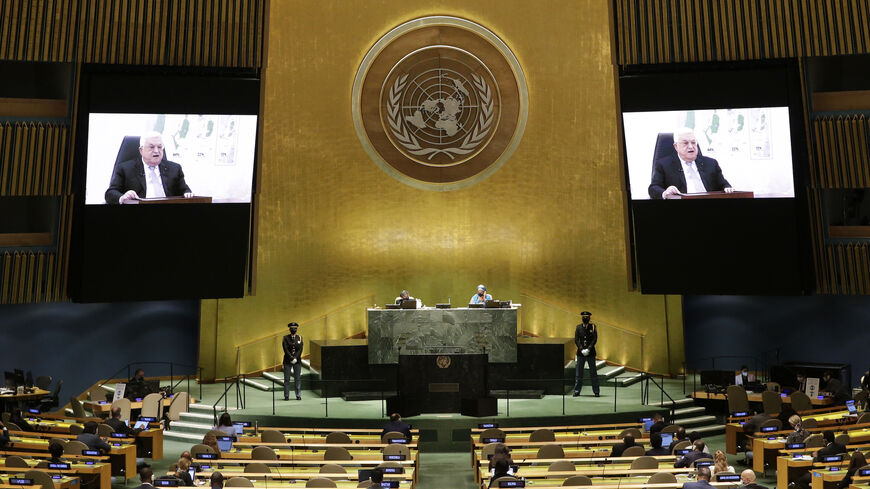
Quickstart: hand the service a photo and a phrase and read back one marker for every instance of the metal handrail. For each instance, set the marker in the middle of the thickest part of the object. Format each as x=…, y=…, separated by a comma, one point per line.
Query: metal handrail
x=663, y=394
x=240, y=398
x=172, y=366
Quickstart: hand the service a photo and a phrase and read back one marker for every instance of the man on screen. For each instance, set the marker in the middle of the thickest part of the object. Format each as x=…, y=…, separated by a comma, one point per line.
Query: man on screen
x=688, y=172
x=150, y=176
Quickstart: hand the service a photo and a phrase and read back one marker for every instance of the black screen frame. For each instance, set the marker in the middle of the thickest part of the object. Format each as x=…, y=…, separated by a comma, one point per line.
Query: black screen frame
x=770, y=236
x=160, y=252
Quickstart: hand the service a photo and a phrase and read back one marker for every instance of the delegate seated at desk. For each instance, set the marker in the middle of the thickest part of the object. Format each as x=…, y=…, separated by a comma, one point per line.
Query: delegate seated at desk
x=481, y=296
x=148, y=176
x=688, y=172
x=404, y=296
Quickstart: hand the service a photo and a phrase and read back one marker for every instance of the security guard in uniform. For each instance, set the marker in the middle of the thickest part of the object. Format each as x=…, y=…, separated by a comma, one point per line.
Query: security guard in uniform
x=585, y=337
x=293, y=345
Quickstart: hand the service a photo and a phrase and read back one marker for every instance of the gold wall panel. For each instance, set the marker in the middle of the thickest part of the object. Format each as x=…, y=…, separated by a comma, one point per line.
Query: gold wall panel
x=673, y=31
x=333, y=227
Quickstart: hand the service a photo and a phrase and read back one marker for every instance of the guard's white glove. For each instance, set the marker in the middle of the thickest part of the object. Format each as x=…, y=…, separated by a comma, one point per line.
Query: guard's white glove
x=585, y=352
x=293, y=361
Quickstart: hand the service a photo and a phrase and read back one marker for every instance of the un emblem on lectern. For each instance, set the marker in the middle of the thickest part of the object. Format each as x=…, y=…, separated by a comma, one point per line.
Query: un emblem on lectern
x=442, y=361
x=440, y=103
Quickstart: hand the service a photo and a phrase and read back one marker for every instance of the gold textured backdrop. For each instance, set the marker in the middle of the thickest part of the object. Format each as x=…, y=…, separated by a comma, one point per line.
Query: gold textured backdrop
x=334, y=229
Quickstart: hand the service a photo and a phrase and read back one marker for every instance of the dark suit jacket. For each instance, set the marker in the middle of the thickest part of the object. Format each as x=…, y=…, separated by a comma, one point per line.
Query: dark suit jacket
x=119, y=426
x=399, y=426
x=130, y=175
x=669, y=171
x=657, y=427
x=93, y=442
x=652, y=452
x=753, y=486
x=832, y=449
x=617, y=449
x=702, y=484
x=688, y=459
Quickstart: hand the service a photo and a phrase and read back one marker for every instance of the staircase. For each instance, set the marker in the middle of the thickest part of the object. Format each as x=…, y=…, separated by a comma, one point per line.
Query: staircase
x=606, y=374
x=193, y=425
x=690, y=416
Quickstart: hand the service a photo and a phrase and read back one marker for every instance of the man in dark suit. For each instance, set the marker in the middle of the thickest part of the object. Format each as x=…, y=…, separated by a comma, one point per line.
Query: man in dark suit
x=148, y=176
x=655, y=440
x=56, y=451
x=145, y=476
x=747, y=477
x=89, y=437
x=689, y=172
x=703, y=481
x=627, y=441
x=679, y=435
x=690, y=458
x=832, y=447
x=658, y=423
x=585, y=337
x=396, y=424
x=119, y=426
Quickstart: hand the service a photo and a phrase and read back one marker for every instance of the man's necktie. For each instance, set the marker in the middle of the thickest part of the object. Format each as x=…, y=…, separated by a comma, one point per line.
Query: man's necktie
x=696, y=184
x=154, y=179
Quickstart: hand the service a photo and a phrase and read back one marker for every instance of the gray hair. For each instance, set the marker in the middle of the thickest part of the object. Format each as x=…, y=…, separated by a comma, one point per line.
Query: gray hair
x=148, y=135
x=682, y=130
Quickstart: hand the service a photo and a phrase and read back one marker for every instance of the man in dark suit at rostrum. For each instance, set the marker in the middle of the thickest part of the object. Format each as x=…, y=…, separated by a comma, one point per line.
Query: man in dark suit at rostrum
x=688, y=459
x=292, y=345
x=396, y=424
x=148, y=176
x=703, y=481
x=688, y=172
x=585, y=337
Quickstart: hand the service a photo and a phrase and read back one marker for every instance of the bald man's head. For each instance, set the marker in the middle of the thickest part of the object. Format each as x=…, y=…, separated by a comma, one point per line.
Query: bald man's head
x=747, y=476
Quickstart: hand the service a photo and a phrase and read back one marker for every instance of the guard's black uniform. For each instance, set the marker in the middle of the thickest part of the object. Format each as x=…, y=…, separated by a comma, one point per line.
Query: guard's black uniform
x=293, y=345
x=585, y=337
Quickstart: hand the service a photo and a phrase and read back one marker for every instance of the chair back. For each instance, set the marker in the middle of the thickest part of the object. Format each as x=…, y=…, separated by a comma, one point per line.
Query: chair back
x=5, y=417
x=399, y=449
x=634, y=451
x=200, y=448
x=12, y=426
x=239, y=482
x=257, y=468
x=773, y=386
x=40, y=478
x=578, y=480
x=842, y=439
x=664, y=146
x=810, y=423
x=77, y=408
x=15, y=461
x=542, y=434
x=333, y=469
x=681, y=445
x=104, y=430
x=491, y=433
x=389, y=464
x=485, y=452
x=800, y=401
x=124, y=405
x=630, y=431
x=671, y=428
x=662, y=478
x=561, y=466
x=336, y=453
x=178, y=405
x=43, y=382
x=320, y=482
x=338, y=437
x=815, y=440
x=76, y=429
x=738, y=401
x=645, y=462
x=771, y=402
x=365, y=483
x=772, y=422
x=272, y=436
x=391, y=435
x=215, y=433
x=551, y=451
x=152, y=405
x=74, y=447
x=864, y=418
x=61, y=441
x=724, y=472
x=263, y=453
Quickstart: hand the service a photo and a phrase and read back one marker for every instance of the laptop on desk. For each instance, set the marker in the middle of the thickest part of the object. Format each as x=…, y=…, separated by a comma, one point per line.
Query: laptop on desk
x=409, y=304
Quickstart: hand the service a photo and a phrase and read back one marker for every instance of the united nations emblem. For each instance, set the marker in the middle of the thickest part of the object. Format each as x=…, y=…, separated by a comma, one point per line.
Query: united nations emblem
x=440, y=115
x=442, y=361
